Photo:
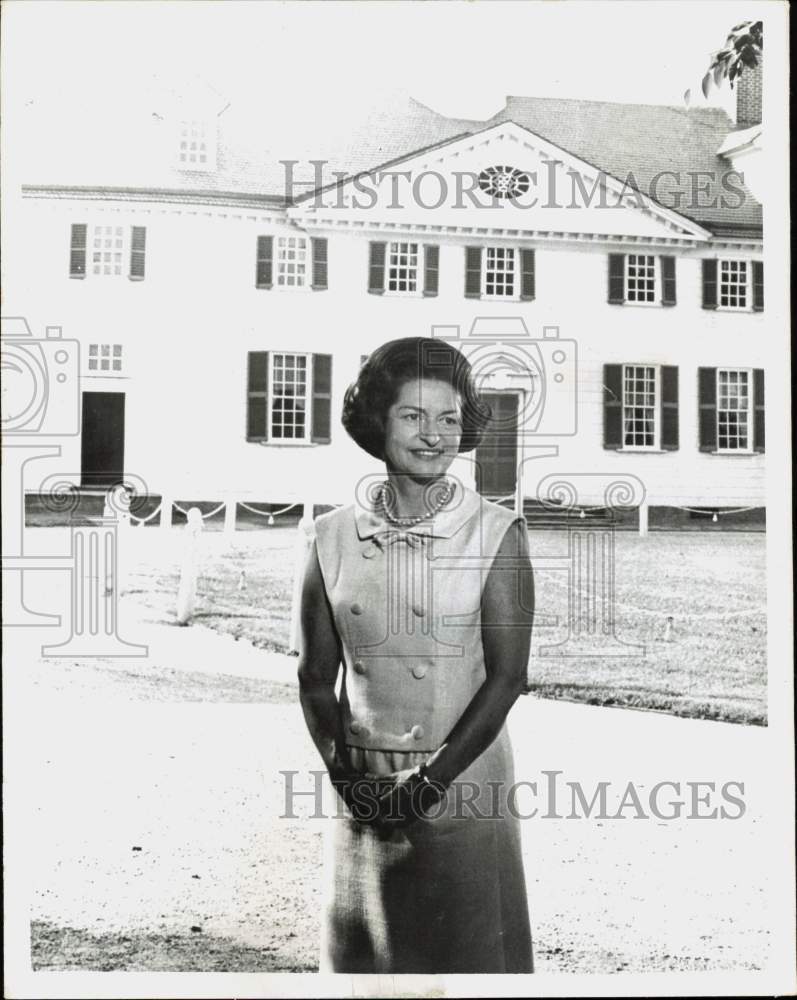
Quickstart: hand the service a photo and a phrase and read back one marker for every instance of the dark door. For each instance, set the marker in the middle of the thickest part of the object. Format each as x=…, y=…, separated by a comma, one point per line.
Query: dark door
x=496, y=456
x=102, y=439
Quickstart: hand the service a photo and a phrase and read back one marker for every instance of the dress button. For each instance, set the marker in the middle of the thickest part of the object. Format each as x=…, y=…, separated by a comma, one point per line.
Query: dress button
x=356, y=609
x=369, y=553
x=359, y=667
x=416, y=732
x=419, y=610
x=355, y=727
x=419, y=670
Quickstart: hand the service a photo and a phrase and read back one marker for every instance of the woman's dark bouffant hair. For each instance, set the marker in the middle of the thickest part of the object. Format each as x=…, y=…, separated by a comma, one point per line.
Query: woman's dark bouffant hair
x=367, y=400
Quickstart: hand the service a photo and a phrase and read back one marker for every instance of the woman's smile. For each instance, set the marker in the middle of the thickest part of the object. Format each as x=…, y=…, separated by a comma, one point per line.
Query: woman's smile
x=424, y=428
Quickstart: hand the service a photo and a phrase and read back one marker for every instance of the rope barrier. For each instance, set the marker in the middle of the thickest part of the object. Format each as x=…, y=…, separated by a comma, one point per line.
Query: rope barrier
x=143, y=520
x=268, y=513
x=210, y=513
x=715, y=511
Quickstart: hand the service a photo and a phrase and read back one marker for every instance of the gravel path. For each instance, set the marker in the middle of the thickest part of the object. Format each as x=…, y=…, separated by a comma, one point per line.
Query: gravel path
x=153, y=797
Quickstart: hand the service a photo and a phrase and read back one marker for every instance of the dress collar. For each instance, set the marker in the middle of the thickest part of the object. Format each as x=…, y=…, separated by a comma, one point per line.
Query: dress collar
x=370, y=521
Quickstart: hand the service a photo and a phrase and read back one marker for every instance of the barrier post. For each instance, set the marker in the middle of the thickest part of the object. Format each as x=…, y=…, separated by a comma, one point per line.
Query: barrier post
x=230, y=509
x=643, y=519
x=166, y=512
x=186, y=593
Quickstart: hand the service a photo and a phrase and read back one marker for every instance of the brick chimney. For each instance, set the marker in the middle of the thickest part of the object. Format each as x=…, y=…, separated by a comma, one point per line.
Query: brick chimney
x=748, y=96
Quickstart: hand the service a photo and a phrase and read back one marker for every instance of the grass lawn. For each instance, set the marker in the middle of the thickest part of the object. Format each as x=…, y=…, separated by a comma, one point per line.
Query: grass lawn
x=711, y=664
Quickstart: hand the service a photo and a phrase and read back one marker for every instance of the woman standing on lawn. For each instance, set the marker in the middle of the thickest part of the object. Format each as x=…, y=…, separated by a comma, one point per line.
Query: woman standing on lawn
x=424, y=592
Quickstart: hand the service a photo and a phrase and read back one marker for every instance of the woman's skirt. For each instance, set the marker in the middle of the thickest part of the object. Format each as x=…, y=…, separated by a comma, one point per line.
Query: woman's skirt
x=445, y=894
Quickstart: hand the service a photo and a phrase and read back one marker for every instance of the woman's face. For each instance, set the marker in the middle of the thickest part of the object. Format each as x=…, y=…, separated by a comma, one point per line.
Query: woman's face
x=423, y=429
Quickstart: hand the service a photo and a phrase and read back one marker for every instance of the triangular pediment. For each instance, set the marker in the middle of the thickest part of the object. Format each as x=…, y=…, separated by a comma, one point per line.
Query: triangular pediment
x=503, y=180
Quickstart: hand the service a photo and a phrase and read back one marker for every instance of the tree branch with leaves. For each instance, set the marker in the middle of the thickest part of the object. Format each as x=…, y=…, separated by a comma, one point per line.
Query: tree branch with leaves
x=743, y=49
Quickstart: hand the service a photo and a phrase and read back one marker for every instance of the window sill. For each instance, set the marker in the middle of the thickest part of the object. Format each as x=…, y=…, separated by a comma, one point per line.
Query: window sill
x=280, y=443
x=643, y=451
x=735, y=453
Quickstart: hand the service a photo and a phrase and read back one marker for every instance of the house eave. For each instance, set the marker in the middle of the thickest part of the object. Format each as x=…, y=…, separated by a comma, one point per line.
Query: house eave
x=153, y=194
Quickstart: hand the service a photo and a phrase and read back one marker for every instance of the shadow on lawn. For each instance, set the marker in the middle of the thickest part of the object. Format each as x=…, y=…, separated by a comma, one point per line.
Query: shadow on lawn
x=55, y=949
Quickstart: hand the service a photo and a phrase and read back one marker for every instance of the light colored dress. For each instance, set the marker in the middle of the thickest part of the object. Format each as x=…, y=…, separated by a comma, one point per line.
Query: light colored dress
x=447, y=893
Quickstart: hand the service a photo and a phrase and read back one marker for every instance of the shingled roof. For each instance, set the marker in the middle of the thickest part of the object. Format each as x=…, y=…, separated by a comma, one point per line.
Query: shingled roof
x=629, y=141
x=643, y=140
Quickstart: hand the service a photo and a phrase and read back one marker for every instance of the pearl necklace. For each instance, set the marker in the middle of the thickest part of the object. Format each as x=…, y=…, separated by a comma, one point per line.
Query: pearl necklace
x=446, y=493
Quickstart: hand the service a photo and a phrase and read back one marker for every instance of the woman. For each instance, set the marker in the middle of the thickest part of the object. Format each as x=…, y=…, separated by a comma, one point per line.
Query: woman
x=424, y=592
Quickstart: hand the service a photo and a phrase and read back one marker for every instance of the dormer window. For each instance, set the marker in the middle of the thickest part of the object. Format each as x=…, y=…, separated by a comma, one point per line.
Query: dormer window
x=197, y=144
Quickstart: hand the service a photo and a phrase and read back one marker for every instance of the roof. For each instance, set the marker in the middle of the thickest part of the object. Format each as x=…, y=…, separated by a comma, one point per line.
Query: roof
x=645, y=140
x=631, y=142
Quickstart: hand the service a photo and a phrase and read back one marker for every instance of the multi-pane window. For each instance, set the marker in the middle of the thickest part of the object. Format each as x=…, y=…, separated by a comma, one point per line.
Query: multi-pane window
x=107, y=250
x=499, y=272
x=640, y=277
x=197, y=145
x=402, y=267
x=733, y=409
x=105, y=357
x=288, y=396
x=639, y=406
x=733, y=278
x=292, y=261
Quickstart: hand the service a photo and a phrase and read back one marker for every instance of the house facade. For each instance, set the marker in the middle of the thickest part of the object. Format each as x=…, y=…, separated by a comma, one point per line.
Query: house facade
x=601, y=264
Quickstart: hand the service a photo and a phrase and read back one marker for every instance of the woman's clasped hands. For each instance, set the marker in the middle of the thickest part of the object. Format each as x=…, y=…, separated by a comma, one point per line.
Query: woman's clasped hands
x=388, y=801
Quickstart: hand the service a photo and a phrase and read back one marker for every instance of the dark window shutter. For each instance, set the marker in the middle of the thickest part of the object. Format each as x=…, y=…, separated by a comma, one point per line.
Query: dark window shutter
x=759, y=441
x=612, y=406
x=138, y=242
x=473, y=272
x=376, y=268
x=77, y=251
x=667, y=280
x=431, y=269
x=709, y=284
x=758, y=285
x=321, y=430
x=265, y=262
x=707, y=407
x=318, y=247
x=669, y=407
x=527, y=277
x=616, y=278
x=257, y=396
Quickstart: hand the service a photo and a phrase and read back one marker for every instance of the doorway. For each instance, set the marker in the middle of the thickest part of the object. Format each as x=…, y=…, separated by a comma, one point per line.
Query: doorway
x=102, y=439
x=497, y=453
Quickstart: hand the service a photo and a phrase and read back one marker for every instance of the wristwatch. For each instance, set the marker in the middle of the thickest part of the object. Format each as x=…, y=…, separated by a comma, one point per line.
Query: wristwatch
x=423, y=777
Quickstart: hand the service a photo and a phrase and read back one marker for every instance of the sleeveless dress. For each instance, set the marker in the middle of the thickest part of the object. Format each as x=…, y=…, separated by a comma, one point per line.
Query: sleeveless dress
x=447, y=893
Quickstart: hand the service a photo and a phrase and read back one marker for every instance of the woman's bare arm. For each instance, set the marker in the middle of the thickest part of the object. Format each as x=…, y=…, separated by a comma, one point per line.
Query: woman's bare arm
x=507, y=613
x=319, y=662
